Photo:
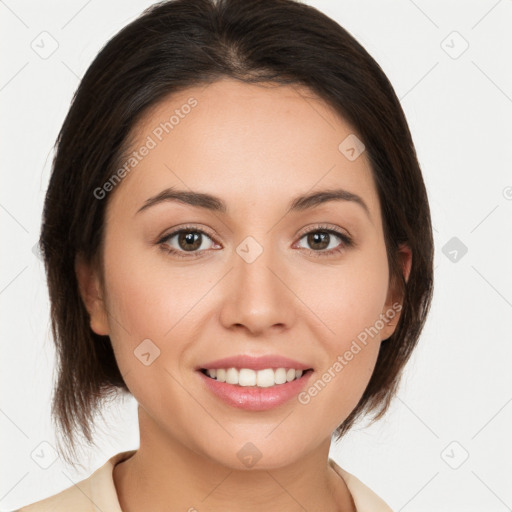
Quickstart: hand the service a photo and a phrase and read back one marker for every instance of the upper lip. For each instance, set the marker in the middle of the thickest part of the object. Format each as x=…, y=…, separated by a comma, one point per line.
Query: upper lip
x=254, y=363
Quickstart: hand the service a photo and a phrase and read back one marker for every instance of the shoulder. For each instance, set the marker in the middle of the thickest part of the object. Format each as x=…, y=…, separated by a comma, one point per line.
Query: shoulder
x=364, y=498
x=97, y=492
x=74, y=498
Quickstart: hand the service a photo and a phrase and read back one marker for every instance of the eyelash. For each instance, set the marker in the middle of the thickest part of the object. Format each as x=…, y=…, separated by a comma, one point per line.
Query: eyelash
x=345, y=239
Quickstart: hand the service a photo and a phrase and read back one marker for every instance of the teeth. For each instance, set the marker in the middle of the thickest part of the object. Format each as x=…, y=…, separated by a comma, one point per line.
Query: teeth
x=261, y=378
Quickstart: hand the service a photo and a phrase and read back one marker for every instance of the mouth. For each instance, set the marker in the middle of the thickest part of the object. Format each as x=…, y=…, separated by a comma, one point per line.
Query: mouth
x=260, y=389
x=249, y=378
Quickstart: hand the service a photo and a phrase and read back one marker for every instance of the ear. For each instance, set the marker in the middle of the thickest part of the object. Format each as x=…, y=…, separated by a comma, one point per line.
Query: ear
x=394, y=302
x=92, y=295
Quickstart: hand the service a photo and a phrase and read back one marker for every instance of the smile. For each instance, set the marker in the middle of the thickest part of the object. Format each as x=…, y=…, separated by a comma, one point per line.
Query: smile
x=246, y=377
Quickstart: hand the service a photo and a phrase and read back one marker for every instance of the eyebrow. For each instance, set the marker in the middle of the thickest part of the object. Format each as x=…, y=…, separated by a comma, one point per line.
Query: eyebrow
x=215, y=204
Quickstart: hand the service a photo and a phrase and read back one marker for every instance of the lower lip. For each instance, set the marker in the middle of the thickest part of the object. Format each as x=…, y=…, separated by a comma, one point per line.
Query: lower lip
x=252, y=398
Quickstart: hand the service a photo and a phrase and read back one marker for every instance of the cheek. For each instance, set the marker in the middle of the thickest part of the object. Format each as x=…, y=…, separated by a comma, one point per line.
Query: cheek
x=145, y=306
x=146, y=294
x=349, y=302
x=349, y=298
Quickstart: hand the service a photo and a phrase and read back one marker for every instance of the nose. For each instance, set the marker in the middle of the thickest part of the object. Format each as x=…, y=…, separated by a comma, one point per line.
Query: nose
x=258, y=298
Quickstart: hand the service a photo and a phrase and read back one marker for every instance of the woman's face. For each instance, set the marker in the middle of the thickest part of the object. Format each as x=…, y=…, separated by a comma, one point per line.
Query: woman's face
x=246, y=279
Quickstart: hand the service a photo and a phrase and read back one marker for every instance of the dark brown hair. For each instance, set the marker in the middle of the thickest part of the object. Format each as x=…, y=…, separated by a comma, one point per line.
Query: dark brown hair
x=177, y=44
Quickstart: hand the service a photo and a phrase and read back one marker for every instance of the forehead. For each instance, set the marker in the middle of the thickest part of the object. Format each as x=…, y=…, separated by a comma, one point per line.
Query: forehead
x=244, y=142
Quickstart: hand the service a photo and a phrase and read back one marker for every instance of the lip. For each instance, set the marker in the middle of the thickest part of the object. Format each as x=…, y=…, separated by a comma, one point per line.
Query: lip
x=253, y=398
x=255, y=363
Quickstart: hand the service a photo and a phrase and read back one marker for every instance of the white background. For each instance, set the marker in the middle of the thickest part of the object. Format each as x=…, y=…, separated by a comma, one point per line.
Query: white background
x=457, y=387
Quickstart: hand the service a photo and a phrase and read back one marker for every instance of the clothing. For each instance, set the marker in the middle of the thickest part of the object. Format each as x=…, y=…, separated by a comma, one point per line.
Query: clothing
x=97, y=493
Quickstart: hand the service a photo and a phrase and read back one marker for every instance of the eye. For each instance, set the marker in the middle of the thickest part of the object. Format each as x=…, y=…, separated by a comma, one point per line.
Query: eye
x=185, y=240
x=322, y=240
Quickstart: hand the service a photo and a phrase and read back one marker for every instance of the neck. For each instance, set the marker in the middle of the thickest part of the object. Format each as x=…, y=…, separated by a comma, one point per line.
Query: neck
x=164, y=472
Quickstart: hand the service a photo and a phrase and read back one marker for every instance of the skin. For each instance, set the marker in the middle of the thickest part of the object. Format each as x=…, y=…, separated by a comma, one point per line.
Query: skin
x=257, y=148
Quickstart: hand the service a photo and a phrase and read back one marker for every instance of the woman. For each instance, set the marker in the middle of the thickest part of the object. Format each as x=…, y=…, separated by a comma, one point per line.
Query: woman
x=236, y=232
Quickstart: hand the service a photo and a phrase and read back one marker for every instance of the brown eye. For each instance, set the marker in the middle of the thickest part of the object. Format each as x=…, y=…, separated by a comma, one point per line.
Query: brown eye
x=323, y=241
x=318, y=240
x=185, y=240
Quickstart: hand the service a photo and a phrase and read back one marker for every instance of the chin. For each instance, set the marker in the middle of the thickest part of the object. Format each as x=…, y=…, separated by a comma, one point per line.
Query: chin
x=256, y=454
